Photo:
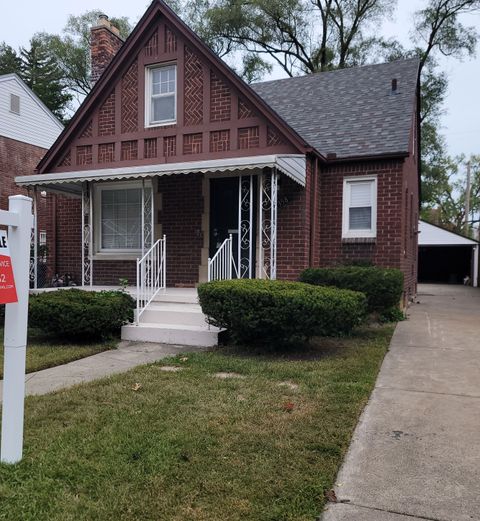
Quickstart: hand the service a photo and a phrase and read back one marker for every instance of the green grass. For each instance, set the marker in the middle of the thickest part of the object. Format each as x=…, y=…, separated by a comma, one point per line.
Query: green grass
x=187, y=446
x=43, y=353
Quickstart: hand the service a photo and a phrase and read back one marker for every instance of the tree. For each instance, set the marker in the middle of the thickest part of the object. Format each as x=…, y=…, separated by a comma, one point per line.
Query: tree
x=71, y=49
x=9, y=60
x=301, y=36
x=41, y=73
x=448, y=198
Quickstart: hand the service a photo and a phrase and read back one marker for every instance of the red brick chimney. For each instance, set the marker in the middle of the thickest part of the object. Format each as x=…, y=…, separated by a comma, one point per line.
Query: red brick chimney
x=105, y=42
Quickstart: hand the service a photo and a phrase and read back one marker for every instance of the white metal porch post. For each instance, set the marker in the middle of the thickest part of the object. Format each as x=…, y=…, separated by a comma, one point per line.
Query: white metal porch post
x=245, y=226
x=267, y=224
x=34, y=243
x=147, y=217
x=87, y=234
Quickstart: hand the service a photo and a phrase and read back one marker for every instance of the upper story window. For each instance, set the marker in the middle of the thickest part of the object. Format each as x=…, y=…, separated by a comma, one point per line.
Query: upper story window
x=161, y=95
x=14, y=103
x=359, y=207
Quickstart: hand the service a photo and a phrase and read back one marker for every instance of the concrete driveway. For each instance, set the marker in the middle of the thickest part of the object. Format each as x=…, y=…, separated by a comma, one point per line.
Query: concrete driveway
x=415, y=454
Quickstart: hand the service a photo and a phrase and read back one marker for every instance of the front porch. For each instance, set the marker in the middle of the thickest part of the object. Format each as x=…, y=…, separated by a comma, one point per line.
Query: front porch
x=119, y=217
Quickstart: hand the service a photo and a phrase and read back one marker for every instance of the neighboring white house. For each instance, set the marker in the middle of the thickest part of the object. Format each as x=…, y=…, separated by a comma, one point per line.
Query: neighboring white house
x=23, y=116
x=27, y=130
x=445, y=256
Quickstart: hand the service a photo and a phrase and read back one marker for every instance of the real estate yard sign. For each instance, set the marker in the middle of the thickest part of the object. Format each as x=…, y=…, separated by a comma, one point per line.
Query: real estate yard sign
x=8, y=292
x=14, y=281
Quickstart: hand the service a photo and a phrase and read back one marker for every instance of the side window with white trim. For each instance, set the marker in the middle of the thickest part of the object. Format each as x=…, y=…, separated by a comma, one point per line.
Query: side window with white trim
x=359, y=207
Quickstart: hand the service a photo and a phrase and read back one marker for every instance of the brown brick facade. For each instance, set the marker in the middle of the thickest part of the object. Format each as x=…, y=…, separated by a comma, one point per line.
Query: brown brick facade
x=181, y=219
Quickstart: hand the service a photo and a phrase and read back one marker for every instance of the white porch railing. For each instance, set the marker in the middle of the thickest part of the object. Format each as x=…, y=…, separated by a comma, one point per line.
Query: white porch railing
x=222, y=265
x=151, y=275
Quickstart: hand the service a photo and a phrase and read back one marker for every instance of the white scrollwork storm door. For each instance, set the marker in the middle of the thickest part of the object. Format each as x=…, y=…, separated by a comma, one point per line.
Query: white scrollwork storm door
x=267, y=224
x=245, y=227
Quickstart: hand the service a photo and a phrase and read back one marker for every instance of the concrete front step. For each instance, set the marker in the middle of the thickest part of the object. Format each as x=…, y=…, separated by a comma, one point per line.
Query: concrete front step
x=164, y=333
x=174, y=313
x=177, y=295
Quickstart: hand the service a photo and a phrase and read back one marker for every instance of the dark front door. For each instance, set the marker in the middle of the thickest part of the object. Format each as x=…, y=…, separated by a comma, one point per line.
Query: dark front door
x=223, y=212
x=228, y=197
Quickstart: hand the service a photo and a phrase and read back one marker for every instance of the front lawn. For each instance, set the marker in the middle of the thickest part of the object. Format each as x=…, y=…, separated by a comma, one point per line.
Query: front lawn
x=229, y=436
x=43, y=353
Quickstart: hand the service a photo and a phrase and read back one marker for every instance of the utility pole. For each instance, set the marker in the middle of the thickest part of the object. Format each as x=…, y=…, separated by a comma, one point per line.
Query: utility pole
x=467, y=198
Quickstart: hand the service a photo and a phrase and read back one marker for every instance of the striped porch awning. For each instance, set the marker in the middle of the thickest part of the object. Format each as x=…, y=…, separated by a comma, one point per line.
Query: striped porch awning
x=292, y=165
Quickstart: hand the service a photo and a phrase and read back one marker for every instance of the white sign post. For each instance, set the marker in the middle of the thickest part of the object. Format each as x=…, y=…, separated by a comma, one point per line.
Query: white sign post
x=19, y=221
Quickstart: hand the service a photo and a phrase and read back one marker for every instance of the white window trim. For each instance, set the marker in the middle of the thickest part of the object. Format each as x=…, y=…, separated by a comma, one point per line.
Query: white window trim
x=108, y=253
x=148, y=95
x=354, y=234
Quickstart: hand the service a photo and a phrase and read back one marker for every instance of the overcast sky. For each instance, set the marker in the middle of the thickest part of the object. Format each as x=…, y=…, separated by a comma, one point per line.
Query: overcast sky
x=20, y=19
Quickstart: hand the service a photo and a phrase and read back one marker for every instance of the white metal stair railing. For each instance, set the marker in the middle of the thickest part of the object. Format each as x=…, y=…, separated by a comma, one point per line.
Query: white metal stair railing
x=222, y=265
x=151, y=275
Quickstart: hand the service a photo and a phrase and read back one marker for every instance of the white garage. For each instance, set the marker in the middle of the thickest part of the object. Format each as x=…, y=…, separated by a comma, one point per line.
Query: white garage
x=446, y=257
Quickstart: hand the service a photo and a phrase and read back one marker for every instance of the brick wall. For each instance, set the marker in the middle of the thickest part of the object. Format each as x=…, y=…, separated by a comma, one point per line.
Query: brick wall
x=387, y=249
x=16, y=158
x=181, y=219
x=104, y=45
x=292, y=230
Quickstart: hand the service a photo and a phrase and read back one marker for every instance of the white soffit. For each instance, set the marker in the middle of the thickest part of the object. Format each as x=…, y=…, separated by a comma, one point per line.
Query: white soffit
x=431, y=235
x=292, y=165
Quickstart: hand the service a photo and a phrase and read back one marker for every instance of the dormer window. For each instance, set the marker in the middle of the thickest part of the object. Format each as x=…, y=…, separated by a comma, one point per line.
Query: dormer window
x=161, y=95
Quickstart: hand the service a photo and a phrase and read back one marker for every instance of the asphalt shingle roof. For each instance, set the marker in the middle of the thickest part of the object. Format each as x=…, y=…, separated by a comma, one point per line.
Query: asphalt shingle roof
x=350, y=112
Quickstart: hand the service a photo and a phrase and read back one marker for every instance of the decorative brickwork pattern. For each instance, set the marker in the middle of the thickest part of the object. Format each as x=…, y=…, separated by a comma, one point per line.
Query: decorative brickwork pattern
x=84, y=155
x=220, y=141
x=193, y=89
x=67, y=160
x=170, y=146
x=129, y=150
x=273, y=137
x=244, y=110
x=106, y=116
x=170, y=40
x=220, y=99
x=248, y=137
x=150, y=148
x=151, y=49
x=88, y=130
x=192, y=143
x=130, y=99
x=106, y=152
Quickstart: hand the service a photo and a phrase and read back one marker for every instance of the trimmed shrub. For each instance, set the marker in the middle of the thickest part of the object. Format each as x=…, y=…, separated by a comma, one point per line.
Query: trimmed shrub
x=72, y=314
x=279, y=312
x=382, y=286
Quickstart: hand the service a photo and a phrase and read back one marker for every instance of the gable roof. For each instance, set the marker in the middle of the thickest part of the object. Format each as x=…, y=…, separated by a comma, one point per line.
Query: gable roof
x=433, y=235
x=120, y=60
x=349, y=112
x=14, y=77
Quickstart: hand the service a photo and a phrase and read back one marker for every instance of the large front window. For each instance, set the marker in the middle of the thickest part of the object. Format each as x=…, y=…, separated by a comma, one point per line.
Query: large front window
x=118, y=209
x=161, y=97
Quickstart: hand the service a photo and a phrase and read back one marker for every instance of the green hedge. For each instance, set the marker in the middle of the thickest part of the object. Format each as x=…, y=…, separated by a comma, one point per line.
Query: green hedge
x=279, y=312
x=382, y=286
x=73, y=314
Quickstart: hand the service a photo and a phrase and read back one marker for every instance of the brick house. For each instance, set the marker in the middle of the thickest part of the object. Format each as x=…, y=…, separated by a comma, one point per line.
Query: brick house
x=27, y=130
x=172, y=150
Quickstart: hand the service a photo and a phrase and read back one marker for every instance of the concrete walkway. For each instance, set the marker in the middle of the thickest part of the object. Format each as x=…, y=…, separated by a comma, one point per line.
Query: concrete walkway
x=126, y=357
x=415, y=454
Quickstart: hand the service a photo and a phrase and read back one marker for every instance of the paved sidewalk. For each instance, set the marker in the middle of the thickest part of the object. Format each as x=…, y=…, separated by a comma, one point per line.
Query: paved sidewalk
x=415, y=454
x=127, y=356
